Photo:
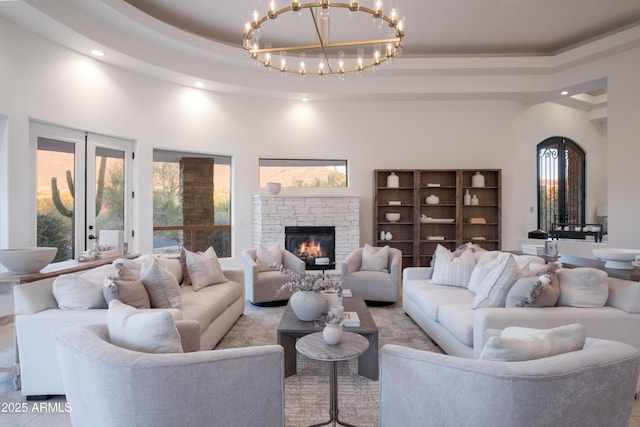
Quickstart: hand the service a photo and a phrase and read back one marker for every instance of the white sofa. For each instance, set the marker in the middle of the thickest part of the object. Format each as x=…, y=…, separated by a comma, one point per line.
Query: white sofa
x=592, y=387
x=446, y=314
x=38, y=319
x=109, y=386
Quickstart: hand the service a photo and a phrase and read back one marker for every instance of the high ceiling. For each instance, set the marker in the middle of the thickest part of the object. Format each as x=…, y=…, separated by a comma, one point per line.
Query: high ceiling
x=434, y=27
x=449, y=44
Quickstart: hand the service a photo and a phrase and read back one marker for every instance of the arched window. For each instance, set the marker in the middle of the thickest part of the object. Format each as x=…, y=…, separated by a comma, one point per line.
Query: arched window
x=561, y=182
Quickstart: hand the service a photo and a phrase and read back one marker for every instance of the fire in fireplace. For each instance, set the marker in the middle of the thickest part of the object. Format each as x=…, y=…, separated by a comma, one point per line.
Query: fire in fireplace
x=316, y=246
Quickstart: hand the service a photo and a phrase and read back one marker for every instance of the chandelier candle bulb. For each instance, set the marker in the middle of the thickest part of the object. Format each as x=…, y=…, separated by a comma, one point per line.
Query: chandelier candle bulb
x=383, y=48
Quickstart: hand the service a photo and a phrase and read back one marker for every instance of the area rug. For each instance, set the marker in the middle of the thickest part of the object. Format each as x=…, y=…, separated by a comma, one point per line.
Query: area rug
x=307, y=392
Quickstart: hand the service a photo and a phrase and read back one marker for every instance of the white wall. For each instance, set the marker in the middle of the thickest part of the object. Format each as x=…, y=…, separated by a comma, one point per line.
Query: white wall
x=44, y=81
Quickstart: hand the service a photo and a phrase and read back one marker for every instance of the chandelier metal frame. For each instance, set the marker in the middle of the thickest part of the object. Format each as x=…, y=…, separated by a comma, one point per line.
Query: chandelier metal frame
x=264, y=55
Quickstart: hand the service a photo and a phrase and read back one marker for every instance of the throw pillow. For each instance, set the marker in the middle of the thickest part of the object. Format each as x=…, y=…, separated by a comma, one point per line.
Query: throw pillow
x=452, y=270
x=494, y=279
x=186, y=279
x=145, y=331
x=268, y=259
x=583, y=287
x=204, y=269
x=130, y=292
x=518, y=343
x=541, y=290
x=78, y=292
x=127, y=269
x=161, y=285
x=375, y=259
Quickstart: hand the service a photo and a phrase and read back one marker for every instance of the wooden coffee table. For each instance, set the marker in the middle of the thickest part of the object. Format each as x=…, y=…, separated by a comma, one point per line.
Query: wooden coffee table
x=291, y=328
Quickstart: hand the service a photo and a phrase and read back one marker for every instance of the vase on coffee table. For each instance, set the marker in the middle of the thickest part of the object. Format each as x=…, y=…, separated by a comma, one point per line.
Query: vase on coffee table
x=308, y=305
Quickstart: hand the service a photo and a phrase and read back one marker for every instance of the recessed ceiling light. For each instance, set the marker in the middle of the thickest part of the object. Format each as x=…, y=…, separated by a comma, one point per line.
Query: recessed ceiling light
x=96, y=52
x=564, y=92
x=304, y=99
x=199, y=84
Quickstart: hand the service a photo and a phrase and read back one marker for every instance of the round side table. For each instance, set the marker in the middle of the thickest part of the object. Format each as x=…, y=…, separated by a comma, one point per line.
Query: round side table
x=314, y=347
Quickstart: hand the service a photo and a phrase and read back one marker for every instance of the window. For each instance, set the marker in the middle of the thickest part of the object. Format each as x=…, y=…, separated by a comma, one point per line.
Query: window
x=83, y=187
x=191, y=202
x=561, y=183
x=304, y=173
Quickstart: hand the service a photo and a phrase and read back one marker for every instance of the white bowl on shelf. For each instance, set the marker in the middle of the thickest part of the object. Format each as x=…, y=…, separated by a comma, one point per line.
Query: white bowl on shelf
x=392, y=216
x=27, y=260
x=273, y=188
x=617, y=258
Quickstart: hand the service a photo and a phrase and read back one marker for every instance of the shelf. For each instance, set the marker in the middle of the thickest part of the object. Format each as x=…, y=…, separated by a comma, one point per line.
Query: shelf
x=416, y=248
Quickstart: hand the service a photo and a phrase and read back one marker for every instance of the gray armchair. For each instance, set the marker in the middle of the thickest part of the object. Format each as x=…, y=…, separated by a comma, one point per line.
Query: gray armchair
x=109, y=386
x=373, y=286
x=261, y=287
x=592, y=387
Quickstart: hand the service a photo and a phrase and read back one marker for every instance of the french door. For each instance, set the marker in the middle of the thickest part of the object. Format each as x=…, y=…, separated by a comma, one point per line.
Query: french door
x=561, y=183
x=83, y=187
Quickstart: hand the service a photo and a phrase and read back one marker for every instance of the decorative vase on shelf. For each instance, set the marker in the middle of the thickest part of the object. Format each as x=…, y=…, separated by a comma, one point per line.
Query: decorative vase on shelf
x=393, y=181
x=477, y=180
x=432, y=199
x=467, y=198
x=388, y=236
x=474, y=200
x=382, y=234
x=332, y=333
x=308, y=305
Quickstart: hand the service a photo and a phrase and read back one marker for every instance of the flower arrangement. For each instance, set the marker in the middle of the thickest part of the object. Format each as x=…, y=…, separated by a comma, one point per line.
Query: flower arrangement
x=332, y=318
x=307, y=282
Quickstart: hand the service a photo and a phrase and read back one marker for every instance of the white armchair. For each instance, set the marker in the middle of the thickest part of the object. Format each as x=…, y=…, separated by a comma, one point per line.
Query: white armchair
x=109, y=386
x=261, y=287
x=381, y=286
x=592, y=387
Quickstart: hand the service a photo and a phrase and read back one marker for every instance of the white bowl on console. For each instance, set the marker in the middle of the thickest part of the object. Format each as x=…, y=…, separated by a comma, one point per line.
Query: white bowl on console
x=26, y=260
x=617, y=258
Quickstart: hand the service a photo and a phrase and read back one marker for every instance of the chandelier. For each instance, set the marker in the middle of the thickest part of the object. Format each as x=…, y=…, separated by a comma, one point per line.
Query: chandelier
x=326, y=33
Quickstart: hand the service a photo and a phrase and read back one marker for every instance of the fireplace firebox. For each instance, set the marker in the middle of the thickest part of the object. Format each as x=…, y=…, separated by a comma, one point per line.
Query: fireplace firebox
x=316, y=246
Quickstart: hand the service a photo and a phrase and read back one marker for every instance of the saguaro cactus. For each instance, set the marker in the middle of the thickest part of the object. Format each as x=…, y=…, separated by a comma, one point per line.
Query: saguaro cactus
x=55, y=192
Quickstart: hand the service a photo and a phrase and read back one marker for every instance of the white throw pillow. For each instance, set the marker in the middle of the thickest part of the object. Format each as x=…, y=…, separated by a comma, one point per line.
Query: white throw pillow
x=452, y=270
x=152, y=331
x=268, y=259
x=493, y=280
x=583, y=287
x=78, y=292
x=161, y=285
x=518, y=343
x=375, y=259
x=204, y=269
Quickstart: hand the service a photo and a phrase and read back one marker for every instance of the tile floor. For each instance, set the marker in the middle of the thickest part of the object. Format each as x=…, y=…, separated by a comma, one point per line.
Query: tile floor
x=49, y=415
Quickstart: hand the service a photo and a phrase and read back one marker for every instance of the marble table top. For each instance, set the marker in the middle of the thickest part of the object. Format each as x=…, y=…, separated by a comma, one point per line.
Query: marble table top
x=314, y=346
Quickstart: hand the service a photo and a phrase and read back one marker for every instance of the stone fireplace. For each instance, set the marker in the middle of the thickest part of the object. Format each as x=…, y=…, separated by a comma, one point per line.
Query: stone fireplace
x=271, y=214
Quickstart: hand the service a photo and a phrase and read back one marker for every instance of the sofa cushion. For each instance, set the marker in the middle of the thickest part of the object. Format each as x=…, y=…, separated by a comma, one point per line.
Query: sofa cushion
x=458, y=320
x=494, y=279
x=172, y=264
x=430, y=296
x=452, y=270
x=145, y=331
x=79, y=291
x=130, y=292
x=268, y=259
x=161, y=285
x=518, y=343
x=583, y=287
x=541, y=290
x=375, y=259
x=204, y=269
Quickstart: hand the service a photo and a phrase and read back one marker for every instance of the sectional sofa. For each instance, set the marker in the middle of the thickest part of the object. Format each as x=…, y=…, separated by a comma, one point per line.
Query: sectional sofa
x=38, y=318
x=446, y=313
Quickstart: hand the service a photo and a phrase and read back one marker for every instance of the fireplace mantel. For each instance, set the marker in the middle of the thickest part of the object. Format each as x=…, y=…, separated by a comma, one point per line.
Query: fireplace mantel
x=272, y=213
